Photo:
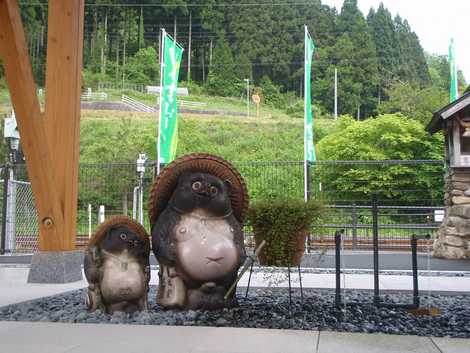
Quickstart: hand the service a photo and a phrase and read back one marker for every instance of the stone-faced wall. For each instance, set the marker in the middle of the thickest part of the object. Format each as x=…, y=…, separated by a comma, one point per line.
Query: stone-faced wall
x=453, y=237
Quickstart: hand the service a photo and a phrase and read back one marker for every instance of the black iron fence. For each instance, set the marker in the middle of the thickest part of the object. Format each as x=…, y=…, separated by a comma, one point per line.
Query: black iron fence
x=410, y=197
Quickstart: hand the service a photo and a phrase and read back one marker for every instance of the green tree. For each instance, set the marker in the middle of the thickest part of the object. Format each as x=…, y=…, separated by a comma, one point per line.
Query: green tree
x=439, y=71
x=386, y=42
x=144, y=68
x=360, y=53
x=223, y=80
x=413, y=66
x=388, y=137
x=413, y=101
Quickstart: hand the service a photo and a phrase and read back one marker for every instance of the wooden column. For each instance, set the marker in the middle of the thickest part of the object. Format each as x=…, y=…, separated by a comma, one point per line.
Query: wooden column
x=62, y=110
x=50, y=141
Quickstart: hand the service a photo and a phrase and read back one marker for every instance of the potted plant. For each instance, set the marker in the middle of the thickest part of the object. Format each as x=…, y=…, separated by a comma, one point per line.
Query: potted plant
x=284, y=225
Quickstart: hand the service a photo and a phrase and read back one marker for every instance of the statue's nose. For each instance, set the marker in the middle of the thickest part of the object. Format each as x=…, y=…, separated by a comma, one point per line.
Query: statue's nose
x=205, y=190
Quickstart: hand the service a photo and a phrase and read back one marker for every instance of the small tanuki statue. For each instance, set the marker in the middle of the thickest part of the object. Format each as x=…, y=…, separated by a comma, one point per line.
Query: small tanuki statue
x=117, y=266
x=197, y=204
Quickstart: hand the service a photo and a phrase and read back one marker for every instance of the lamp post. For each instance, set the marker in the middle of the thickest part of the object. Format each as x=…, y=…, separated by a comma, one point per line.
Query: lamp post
x=141, y=171
x=247, y=80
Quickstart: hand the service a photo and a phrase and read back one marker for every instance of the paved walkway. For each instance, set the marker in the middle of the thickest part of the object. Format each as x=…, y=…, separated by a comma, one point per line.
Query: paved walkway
x=352, y=260
x=20, y=337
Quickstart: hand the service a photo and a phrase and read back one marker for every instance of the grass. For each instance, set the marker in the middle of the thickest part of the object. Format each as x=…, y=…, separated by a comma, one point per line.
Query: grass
x=232, y=137
x=116, y=136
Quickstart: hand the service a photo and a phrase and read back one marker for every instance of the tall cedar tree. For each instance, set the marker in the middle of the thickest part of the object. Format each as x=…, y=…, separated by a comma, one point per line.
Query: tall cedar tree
x=359, y=64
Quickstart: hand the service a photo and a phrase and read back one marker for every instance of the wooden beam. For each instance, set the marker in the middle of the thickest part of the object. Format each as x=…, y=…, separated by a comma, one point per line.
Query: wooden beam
x=19, y=75
x=62, y=112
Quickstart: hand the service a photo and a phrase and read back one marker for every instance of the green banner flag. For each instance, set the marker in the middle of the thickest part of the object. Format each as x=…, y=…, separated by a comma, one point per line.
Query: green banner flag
x=308, y=126
x=168, y=124
x=454, y=88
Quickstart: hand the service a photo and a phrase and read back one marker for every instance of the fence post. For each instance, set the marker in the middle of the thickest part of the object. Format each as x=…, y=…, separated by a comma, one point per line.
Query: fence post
x=309, y=181
x=375, y=235
x=414, y=266
x=354, y=226
x=6, y=176
x=338, y=239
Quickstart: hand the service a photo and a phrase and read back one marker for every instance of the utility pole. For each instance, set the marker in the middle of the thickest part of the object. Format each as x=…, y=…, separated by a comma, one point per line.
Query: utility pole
x=247, y=80
x=203, y=66
x=105, y=41
x=336, y=93
x=189, y=49
x=174, y=28
x=210, y=54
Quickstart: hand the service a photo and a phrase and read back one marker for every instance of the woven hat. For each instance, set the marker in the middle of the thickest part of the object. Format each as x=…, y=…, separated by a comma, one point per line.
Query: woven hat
x=165, y=183
x=119, y=221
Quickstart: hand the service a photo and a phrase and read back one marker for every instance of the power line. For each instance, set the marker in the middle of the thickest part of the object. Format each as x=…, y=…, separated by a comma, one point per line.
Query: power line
x=182, y=6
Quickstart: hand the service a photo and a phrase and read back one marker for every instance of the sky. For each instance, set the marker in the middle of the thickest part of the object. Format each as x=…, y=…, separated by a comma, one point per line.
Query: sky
x=434, y=21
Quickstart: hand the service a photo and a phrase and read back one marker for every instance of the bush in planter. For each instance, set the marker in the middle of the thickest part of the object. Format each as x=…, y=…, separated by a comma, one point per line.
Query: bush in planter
x=284, y=224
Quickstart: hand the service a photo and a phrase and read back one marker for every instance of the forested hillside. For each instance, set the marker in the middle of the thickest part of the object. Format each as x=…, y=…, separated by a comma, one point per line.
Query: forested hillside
x=225, y=41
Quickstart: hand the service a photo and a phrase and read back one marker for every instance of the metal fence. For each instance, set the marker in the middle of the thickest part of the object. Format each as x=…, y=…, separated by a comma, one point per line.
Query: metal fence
x=409, y=193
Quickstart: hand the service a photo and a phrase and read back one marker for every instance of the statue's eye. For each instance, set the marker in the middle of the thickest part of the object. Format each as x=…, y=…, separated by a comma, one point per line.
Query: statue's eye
x=214, y=190
x=197, y=186
x=123, y=236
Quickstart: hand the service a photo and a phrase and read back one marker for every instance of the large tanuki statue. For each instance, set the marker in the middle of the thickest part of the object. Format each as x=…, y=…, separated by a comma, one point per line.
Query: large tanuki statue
x=197, y=204
x=117, y=267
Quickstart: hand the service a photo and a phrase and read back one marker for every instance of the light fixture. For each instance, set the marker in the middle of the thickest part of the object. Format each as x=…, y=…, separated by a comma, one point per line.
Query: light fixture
x=14, y=143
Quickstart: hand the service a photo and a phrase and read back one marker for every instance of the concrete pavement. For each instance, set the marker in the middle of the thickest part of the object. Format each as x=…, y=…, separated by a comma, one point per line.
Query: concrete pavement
x=22, y=337
x=388, y=260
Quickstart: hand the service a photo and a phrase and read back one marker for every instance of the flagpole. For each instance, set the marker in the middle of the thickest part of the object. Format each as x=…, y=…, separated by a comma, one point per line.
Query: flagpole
x=162, y=64
x=454, y=87
x=305, y=116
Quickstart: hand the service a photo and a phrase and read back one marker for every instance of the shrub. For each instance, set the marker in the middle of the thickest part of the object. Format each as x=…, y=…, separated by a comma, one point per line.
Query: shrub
x=283, y=224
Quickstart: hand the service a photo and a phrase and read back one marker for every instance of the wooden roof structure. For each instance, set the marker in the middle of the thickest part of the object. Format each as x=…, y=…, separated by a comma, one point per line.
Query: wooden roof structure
x=50, y=138
x=448, y=112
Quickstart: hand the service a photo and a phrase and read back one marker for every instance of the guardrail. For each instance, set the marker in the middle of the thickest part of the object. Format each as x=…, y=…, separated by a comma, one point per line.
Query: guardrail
x=136, y=105
x=190, y=104
x=94, y=96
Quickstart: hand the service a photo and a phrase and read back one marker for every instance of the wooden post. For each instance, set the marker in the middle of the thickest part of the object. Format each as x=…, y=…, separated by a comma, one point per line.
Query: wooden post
x=50, y=141
x=62, y=109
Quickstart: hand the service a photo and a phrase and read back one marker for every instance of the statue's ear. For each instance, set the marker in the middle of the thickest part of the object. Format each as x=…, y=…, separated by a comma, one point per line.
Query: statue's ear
x=228, y=184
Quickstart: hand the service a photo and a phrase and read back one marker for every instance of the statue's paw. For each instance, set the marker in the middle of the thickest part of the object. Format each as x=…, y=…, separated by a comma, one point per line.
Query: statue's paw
x=92, y=299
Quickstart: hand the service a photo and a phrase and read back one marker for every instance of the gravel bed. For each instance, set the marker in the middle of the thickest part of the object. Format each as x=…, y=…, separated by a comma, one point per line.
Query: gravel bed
x=269, y=308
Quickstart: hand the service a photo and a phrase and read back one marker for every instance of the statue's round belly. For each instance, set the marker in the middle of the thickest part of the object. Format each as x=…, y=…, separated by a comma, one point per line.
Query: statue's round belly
x=122, y=282
x=208, y=253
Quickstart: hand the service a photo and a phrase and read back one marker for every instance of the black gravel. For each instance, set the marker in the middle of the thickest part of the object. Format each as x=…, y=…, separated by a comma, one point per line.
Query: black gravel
x=269, y=308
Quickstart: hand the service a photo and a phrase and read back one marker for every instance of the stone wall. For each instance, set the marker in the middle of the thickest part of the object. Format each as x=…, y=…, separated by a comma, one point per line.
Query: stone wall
x=453, y=237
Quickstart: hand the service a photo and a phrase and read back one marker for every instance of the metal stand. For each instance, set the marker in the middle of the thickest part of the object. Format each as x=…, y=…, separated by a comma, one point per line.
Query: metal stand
x=375, y=233
x=249, y=281
x=289, y=281
x=414, y=265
